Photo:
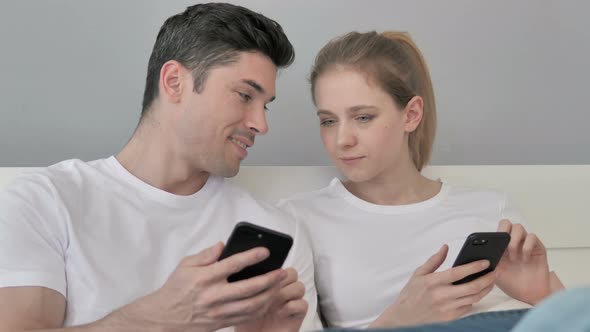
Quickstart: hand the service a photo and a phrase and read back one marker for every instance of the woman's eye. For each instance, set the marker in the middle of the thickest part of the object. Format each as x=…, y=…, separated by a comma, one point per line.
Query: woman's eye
x=364, y=118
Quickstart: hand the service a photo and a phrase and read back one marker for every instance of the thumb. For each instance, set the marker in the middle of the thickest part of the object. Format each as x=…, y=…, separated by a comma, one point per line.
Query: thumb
x=205, y=257
x=434, y=262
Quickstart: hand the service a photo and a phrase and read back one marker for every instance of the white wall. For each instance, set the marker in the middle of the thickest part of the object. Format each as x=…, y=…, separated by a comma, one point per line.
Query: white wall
x=510, y=76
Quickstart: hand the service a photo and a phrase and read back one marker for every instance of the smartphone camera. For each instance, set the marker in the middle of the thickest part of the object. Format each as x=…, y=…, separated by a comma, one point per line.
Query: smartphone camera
x=250, y=232
x=479, y=242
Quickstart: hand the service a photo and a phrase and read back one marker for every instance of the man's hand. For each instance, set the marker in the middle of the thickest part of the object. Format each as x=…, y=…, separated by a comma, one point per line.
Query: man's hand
x=287, y=312
x=430, y=296
x=523, y=271
x=197, y=296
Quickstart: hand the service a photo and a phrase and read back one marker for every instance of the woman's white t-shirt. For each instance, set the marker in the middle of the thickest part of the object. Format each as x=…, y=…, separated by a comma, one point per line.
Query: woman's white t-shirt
x=365, y=253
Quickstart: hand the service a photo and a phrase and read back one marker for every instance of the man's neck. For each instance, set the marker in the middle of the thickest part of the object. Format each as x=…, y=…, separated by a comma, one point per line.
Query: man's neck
x=151, y=156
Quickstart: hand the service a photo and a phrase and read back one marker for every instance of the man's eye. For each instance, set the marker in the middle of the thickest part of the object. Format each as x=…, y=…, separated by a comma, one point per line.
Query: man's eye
x=326, y=123
x=245, y=97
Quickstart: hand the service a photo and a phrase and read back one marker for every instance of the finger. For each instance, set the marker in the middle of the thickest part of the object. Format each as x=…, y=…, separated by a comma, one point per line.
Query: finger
x=454, y=292
x=473, y=298
x=237, y=262
x=462, y=311
x=206, y=257
x=237, y=320
x=517, y=237
x=249, y=307
x=293, y=309
x=433, y=263
x=294, y=291
x=451, y=312
x=476, y=286
x=244, y=289
x=291, y=277
x=530, y=243
x=505, y=226
x=459, y=272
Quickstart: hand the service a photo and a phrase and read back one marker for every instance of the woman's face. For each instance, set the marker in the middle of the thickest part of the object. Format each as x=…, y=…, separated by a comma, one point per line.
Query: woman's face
x=363, y=130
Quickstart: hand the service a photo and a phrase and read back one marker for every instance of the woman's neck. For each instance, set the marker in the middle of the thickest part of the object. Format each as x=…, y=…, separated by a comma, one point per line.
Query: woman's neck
x=399, y=186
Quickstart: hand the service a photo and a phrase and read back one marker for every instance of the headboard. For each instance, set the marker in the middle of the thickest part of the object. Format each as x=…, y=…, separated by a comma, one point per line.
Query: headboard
x=554, y=199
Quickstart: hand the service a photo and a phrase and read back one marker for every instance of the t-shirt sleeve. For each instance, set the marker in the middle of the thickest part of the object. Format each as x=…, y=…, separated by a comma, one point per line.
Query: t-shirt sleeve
x=301, y=258
x=32, y=241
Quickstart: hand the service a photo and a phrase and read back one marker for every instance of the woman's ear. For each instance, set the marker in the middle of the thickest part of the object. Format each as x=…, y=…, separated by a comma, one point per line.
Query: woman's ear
x=413, y=113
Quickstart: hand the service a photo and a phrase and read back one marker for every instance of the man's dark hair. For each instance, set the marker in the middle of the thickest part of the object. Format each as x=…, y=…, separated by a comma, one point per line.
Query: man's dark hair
x=209, y=35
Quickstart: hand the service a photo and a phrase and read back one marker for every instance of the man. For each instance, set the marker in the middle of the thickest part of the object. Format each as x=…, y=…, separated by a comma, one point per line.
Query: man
x=109, y=245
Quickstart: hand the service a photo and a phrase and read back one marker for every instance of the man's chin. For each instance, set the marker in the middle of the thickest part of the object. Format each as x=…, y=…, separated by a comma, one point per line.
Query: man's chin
x=229, y=171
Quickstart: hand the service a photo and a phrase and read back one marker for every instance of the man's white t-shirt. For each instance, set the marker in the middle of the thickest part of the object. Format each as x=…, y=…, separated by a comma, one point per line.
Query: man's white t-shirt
x=365, y=253
x=103, y=238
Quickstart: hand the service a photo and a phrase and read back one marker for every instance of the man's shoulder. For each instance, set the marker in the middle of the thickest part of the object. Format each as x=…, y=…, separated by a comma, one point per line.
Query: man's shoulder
x=49, y=181
x=45, y=190
x=241, y=196
x=248, y=204
x=66, y=170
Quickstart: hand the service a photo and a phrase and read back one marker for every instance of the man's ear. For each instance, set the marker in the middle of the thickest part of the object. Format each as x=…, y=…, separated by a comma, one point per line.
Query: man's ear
x=171, y=81
x=413, y=113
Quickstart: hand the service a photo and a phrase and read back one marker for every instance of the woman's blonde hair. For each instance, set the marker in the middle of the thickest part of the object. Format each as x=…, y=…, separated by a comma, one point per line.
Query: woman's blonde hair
x=394, y=62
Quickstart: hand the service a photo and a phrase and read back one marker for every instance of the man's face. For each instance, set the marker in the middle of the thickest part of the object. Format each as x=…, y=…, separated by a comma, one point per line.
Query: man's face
x=215, y=127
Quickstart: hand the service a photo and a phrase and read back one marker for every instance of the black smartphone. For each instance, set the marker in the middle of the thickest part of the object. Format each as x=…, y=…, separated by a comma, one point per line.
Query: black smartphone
x=247, y=236
x=489, y=246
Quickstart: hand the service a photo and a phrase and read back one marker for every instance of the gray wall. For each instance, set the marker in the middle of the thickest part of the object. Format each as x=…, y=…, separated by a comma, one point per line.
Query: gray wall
x=510, y=76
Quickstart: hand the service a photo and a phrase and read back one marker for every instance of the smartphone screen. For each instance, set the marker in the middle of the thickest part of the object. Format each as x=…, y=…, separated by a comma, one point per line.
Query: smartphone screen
x=479, y=246
x=247, y=236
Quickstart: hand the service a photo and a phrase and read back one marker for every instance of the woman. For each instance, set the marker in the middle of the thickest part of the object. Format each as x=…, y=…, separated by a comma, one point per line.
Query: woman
x=374, y=233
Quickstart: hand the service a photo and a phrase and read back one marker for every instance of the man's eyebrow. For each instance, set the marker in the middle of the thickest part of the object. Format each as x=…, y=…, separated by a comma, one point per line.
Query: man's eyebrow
x=324, y=112
x=257, y=87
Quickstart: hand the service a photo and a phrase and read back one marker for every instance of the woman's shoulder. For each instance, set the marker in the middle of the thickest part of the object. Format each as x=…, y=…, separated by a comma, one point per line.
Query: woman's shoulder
x=463, y=192
x=311, y=197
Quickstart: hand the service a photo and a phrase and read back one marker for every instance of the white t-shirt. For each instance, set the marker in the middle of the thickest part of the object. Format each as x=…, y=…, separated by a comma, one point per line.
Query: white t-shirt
x=103, y=238
x=365, y=253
